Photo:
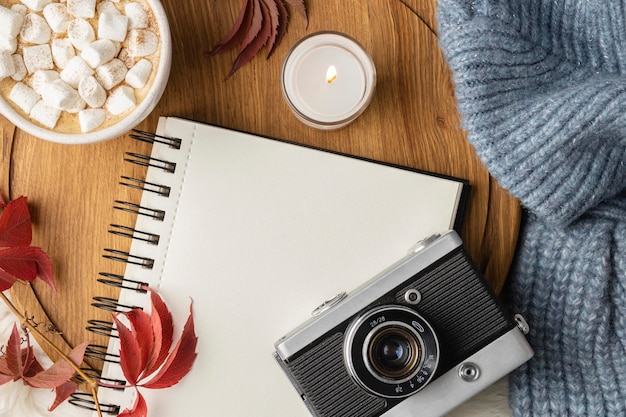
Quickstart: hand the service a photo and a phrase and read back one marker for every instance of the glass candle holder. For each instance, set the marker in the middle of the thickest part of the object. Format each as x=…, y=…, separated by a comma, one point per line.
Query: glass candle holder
x=328, y=80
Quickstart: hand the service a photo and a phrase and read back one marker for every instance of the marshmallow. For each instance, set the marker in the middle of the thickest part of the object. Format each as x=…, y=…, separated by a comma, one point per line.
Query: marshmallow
x=37, y=57
x=20, y=68
x=80, y=33
x=59, y=95
x=137, y=16
x=42, y=77
x=124, y=56
x=106, y=7
x=35, y=29
x=8, y=44
x=20, y=8
x=112, y=26
x=7, y=67
x=137, y=76
x=90, y=119
x=23, y=96
x=92, y=92
x=75, y=70
x=82, y=8
x=57, y=17
x=78, y=106
x=142, y=42
x=62, y=52
x=10, y=22
x=111, y=74
x=36, y=5
x=44, y=114
x=99, y=52
x=121, y=100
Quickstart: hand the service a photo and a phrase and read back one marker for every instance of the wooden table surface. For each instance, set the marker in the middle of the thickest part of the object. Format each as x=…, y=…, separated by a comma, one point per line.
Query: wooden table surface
x=411, y=121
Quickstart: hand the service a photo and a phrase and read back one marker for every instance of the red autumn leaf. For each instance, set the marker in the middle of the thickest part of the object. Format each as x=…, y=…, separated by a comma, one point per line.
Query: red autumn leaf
x=21, y=363
x=181, y=359
x=19, y=260
x=145, y=341
x=140, y=408
x=272, y=7
x=163, y=325
x=281, y=29
x=258, y=42
x=129, y=352
x=60, y=372
x=238, y=31
x=62, y=393
x=256, y=25
x=15, y=224
x=259, y=23
x=24, y=263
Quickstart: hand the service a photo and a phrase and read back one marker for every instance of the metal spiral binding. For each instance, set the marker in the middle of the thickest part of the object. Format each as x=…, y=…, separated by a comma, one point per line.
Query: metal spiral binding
x=131, y=233
x=115, y=280
x=138, y=184
x=85, y=400
x=139, y=210
x=99, y=353
x=95, y=374
x=107, y=328
x=112, y=305
x=121, y=256
x=148, y=161
x=154, y=138
x=102, y=327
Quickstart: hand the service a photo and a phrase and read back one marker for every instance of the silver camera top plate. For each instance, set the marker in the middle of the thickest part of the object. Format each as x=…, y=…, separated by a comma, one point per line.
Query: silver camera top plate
x=416, y=261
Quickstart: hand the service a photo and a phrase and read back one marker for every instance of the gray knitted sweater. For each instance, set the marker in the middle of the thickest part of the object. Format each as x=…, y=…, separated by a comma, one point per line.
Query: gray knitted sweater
x=541, y=86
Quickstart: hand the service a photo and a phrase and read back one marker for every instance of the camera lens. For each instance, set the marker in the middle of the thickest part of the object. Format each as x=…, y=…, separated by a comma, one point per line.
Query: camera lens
x=394, y=352
x=391, y=351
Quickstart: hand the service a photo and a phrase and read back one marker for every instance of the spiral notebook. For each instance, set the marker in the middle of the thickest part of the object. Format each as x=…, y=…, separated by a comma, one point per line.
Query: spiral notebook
x=258, y=232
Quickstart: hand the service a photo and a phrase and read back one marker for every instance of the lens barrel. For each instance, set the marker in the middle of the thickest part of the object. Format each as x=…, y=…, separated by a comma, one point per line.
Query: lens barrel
x=391, y=351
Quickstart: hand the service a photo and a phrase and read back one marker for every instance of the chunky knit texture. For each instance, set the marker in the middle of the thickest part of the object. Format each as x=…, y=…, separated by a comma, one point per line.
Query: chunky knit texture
x=541, y=87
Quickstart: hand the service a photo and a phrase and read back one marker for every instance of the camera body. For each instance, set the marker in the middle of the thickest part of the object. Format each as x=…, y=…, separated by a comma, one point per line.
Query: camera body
x=419, y=338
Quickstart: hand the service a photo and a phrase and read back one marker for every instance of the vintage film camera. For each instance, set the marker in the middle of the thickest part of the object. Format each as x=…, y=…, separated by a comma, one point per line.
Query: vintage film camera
x=418, y=339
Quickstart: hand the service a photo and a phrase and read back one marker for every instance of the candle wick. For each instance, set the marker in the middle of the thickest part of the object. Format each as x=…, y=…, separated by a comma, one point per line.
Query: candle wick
x=331, y=74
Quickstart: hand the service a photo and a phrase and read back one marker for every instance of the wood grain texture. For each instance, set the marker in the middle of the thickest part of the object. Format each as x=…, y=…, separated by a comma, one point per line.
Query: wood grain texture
x=411, y=121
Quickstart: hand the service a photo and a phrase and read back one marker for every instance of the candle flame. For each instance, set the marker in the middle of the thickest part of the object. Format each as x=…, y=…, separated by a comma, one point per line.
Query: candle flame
x=331, y=74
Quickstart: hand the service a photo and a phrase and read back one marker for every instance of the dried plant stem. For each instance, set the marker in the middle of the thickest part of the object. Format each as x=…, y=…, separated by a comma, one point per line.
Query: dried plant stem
x=91, y=382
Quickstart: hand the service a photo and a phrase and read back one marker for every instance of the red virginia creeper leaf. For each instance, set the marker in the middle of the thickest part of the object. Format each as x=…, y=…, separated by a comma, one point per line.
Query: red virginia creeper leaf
x=15, y=224
x=256, y=25
x=257, y=43
x=18, y=262
x=140, y=408
x=60, y=372
x=18, y=362
x=62, y=392
x=272, y=7
x=141, y=326
x=283, y=19
x=260, y=23
x=238, y=31
x=181, y=359
x=300, y=8
x=14, y=353
x=5, y=378
x=24, y=263
x=129, y=352
x=163, y=329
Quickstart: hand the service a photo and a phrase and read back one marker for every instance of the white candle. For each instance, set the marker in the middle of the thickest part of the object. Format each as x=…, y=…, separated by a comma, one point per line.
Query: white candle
x=328, y=80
